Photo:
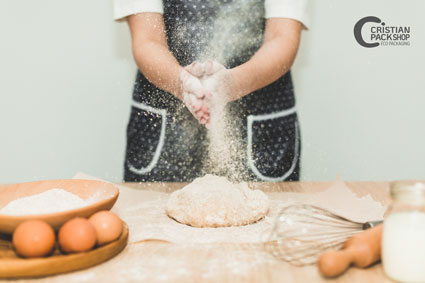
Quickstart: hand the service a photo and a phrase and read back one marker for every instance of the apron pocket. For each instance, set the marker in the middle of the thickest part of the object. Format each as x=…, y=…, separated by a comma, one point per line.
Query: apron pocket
x=145, y=137
x=273, y=144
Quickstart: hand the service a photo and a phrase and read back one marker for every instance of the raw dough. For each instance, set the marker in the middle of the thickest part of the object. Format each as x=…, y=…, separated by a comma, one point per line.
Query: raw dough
x=213, y=201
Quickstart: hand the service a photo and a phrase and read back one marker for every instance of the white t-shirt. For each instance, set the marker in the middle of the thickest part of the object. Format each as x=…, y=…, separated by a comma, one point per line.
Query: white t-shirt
x=291, y=9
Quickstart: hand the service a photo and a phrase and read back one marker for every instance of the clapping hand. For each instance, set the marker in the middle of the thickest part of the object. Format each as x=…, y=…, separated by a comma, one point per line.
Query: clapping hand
x=204, y=86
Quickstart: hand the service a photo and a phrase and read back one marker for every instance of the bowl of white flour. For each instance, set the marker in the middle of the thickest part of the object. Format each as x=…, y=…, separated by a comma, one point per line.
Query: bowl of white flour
x=53, y=201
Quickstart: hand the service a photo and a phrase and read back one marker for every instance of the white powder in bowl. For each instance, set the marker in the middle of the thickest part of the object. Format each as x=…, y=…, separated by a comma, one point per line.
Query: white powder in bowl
x=51, y=201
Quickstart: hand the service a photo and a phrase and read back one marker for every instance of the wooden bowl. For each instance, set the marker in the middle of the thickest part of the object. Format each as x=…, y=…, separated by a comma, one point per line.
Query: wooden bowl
x=105, y=194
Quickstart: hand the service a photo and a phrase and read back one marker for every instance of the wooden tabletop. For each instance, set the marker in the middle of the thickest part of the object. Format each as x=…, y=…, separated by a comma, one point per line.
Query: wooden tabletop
x=276, y=271
x=220, y=262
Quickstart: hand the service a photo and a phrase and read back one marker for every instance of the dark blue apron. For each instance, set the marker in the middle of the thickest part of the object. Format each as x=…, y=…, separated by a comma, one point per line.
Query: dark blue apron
x=166, y=143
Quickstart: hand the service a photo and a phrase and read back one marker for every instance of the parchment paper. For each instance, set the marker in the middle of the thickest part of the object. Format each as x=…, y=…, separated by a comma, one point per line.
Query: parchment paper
x=144, y=212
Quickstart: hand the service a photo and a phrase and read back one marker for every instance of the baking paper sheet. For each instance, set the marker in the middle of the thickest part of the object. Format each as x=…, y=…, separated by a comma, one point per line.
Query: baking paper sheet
x=144, y=212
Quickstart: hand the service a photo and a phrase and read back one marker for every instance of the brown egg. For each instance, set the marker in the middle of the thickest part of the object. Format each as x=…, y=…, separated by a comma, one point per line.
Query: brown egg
x=108, y=226
x=33, y=238
x=77, y=235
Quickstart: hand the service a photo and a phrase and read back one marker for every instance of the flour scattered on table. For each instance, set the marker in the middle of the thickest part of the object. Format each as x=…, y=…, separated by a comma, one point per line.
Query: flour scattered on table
x=213, y=201
x=148, y=220
x=51, y=201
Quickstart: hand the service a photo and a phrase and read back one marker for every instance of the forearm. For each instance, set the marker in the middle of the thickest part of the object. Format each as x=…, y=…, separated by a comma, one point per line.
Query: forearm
x=272, y=60
x=265, y=67
x=151, y=53
x=159, y=66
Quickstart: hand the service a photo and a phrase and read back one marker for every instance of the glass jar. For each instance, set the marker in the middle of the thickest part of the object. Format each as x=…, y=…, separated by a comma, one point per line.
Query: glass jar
x=403, y=239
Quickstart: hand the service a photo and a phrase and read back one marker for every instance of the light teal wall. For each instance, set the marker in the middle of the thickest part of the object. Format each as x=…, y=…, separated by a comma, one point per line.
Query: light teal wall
x=66, y=75
x=362, y=109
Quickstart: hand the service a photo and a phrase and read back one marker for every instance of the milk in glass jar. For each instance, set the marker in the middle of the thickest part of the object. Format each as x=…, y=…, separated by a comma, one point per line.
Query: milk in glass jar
x=403, y=238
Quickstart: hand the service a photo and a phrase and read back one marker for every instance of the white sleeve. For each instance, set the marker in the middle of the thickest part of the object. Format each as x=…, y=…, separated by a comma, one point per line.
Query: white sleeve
x=292, y=9
x=124, y=8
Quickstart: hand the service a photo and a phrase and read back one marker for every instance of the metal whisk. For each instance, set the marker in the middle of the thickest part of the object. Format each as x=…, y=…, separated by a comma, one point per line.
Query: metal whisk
x=302, y=232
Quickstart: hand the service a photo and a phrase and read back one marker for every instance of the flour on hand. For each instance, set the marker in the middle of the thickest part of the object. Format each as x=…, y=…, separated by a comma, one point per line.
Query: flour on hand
x=213, y=201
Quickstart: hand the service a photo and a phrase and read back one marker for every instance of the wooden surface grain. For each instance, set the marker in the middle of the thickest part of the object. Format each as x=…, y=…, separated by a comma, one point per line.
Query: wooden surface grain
x=224, y=262
x=277, y=271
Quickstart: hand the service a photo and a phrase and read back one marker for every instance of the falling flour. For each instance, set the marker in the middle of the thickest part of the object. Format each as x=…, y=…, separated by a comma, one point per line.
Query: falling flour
x=233, y=37
x=51, y=201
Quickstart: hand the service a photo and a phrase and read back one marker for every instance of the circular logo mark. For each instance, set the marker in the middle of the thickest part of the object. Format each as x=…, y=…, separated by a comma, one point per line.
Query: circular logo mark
x=358, y=31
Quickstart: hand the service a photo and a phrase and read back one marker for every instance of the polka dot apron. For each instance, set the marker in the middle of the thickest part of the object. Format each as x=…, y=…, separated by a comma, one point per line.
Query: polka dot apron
x=166, y=143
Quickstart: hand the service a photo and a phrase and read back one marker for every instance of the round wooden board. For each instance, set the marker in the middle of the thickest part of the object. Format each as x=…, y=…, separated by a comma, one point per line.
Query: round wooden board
x=12, y=266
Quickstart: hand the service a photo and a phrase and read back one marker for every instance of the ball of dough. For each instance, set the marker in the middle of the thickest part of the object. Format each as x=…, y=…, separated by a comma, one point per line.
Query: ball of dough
x=213, y=201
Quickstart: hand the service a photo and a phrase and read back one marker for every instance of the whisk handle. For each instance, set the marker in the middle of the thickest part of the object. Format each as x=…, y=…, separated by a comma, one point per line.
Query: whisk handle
x=361, y=250
x=371, y=224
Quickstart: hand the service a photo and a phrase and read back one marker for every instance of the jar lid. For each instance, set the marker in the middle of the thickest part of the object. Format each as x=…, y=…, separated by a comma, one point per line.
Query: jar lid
x=412, y=192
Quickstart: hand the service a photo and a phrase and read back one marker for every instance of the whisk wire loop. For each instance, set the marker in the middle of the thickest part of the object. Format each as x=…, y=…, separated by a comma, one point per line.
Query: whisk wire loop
x=303, y=231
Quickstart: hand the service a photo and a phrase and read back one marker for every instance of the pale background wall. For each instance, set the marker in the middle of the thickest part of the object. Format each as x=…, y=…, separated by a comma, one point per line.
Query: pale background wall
x=66, y=75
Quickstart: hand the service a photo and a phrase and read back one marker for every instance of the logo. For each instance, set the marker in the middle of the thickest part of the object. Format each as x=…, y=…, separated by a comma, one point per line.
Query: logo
x=371, y=32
